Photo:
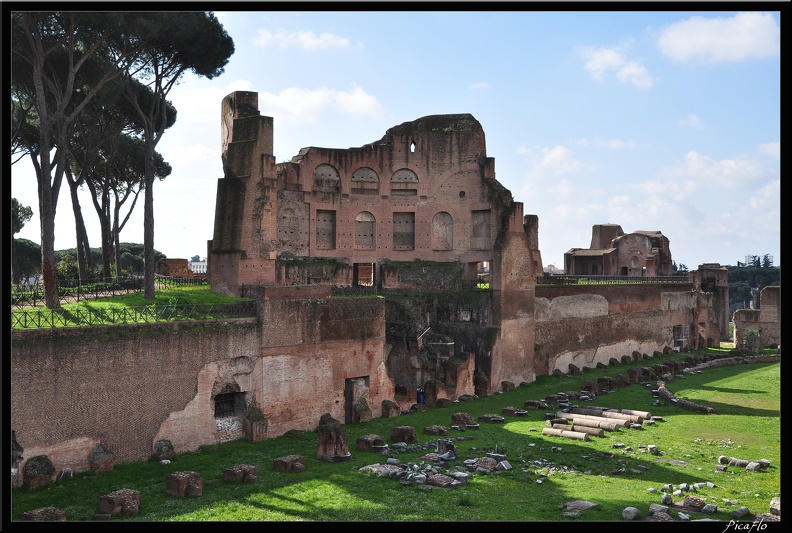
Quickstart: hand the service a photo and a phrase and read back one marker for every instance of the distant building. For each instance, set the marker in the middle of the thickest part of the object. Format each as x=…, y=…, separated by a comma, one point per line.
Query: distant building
x=197, y=267
x=552, y=269
x=614, y=253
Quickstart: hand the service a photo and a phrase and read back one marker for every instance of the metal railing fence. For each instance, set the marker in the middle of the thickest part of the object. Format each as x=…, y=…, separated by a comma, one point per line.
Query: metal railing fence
x=46, y=318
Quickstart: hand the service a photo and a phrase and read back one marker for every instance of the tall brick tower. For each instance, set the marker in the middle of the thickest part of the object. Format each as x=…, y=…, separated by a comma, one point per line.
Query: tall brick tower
x=242, y=250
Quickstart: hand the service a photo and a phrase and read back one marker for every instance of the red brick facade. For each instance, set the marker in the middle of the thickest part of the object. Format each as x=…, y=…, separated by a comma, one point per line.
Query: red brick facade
x=419, y=210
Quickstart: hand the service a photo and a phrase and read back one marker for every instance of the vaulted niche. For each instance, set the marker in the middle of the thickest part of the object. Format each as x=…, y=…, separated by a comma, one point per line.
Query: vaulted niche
x=365, y=181
x=404, y=182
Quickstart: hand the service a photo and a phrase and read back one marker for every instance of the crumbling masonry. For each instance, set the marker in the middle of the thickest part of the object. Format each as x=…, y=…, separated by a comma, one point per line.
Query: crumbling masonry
x=378, y=270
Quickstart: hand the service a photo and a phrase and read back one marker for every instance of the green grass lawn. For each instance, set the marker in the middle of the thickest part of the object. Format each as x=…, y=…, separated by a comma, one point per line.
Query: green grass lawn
x=747, y=426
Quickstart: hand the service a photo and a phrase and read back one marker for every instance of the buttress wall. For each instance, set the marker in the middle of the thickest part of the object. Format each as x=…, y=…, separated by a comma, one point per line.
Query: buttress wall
x=128, y=387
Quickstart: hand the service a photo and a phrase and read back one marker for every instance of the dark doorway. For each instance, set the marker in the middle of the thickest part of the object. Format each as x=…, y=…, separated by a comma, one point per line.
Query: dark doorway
x=363, y=275
x=354, y=388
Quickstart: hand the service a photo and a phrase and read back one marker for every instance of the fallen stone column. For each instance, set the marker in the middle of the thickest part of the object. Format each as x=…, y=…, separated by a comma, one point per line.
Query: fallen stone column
x=607, y=425
x=632, y=419
x=597, y=432
x=646, y=415
x=574, y=416
x=564, y=433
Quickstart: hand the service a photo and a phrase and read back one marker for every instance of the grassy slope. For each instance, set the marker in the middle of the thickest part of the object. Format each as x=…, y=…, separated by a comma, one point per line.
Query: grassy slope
x=746, y=396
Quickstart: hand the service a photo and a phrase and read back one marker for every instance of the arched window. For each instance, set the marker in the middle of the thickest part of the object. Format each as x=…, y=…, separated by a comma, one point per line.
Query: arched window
x=442, y=232
x=365, y=181
x=365, y=226
x=326, y=179
x=404, y=182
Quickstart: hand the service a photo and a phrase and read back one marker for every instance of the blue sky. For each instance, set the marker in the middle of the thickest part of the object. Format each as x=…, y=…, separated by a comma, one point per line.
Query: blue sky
x=653, y=120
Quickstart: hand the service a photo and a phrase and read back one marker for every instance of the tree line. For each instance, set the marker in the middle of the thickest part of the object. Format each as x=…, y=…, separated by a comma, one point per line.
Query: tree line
x=89, y=104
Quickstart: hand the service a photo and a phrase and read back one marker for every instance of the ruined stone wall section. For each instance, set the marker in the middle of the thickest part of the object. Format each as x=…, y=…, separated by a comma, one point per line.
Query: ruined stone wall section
x=584, y=342
x=128, y=387
x=114, y=384
x=582, y=306
x=242, y=250
x=70, y=453
x=678, y=301
x=444, y=205
x=766, y=320
x=514, y=269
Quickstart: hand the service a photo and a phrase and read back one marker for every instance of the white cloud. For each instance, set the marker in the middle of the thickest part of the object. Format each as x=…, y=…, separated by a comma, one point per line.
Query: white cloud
x=771, y=149
x=691, y=121
x=557, y=160
x=601, y=61
x=479, y=85
x=635, y=73
x=614, y=144
x=191, y=105
x=726, y=173
x=767, y=197
x=307, y=40
x=297, y=104
x=721, y=40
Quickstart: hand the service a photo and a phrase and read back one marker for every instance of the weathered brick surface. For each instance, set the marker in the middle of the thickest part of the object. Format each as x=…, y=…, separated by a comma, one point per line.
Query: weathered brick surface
x=186, y=483
x=243, y=473
x=44, y=514
x=289, y=463
x=126, y=501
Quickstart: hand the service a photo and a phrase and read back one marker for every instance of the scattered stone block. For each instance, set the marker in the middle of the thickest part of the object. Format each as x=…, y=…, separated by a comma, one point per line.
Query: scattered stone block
x=775, y=506
x=289, y=463
x=44, y=514
x=443, y=402
x=630, y=513
x=513, y=411
x=243, y=473
x=403, y=434
x=486, y=463
x=463, y=420
x=126, y=501
x=436, y=430
x=100, y=459
x=368, y=443
x=163, y=449
x=440, y=480
x=333, y=439
x=692, y=503
x=38, y=472
x=184, y=483
x=390, y=409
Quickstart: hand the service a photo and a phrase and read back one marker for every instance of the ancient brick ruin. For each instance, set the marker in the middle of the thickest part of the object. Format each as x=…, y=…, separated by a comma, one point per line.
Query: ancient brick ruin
x=377, y=271
x=614, y=253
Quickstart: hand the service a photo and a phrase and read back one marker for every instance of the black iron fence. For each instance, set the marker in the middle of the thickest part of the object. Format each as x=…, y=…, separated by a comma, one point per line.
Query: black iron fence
x=608, y=280
x=57, y=318
x=32, y=295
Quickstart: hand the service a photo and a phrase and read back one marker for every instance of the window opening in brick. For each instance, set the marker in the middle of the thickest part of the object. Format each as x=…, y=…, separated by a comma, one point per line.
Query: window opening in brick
x=483, y=275
x=442, y=232
x=461, y=194
x=412, y=147
x=365, y=181
x=365, y=228
x=403, y=231
x=225, y=405
x=482, y=230
x=363, y=275
x=404, y=182
x=325, y=229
